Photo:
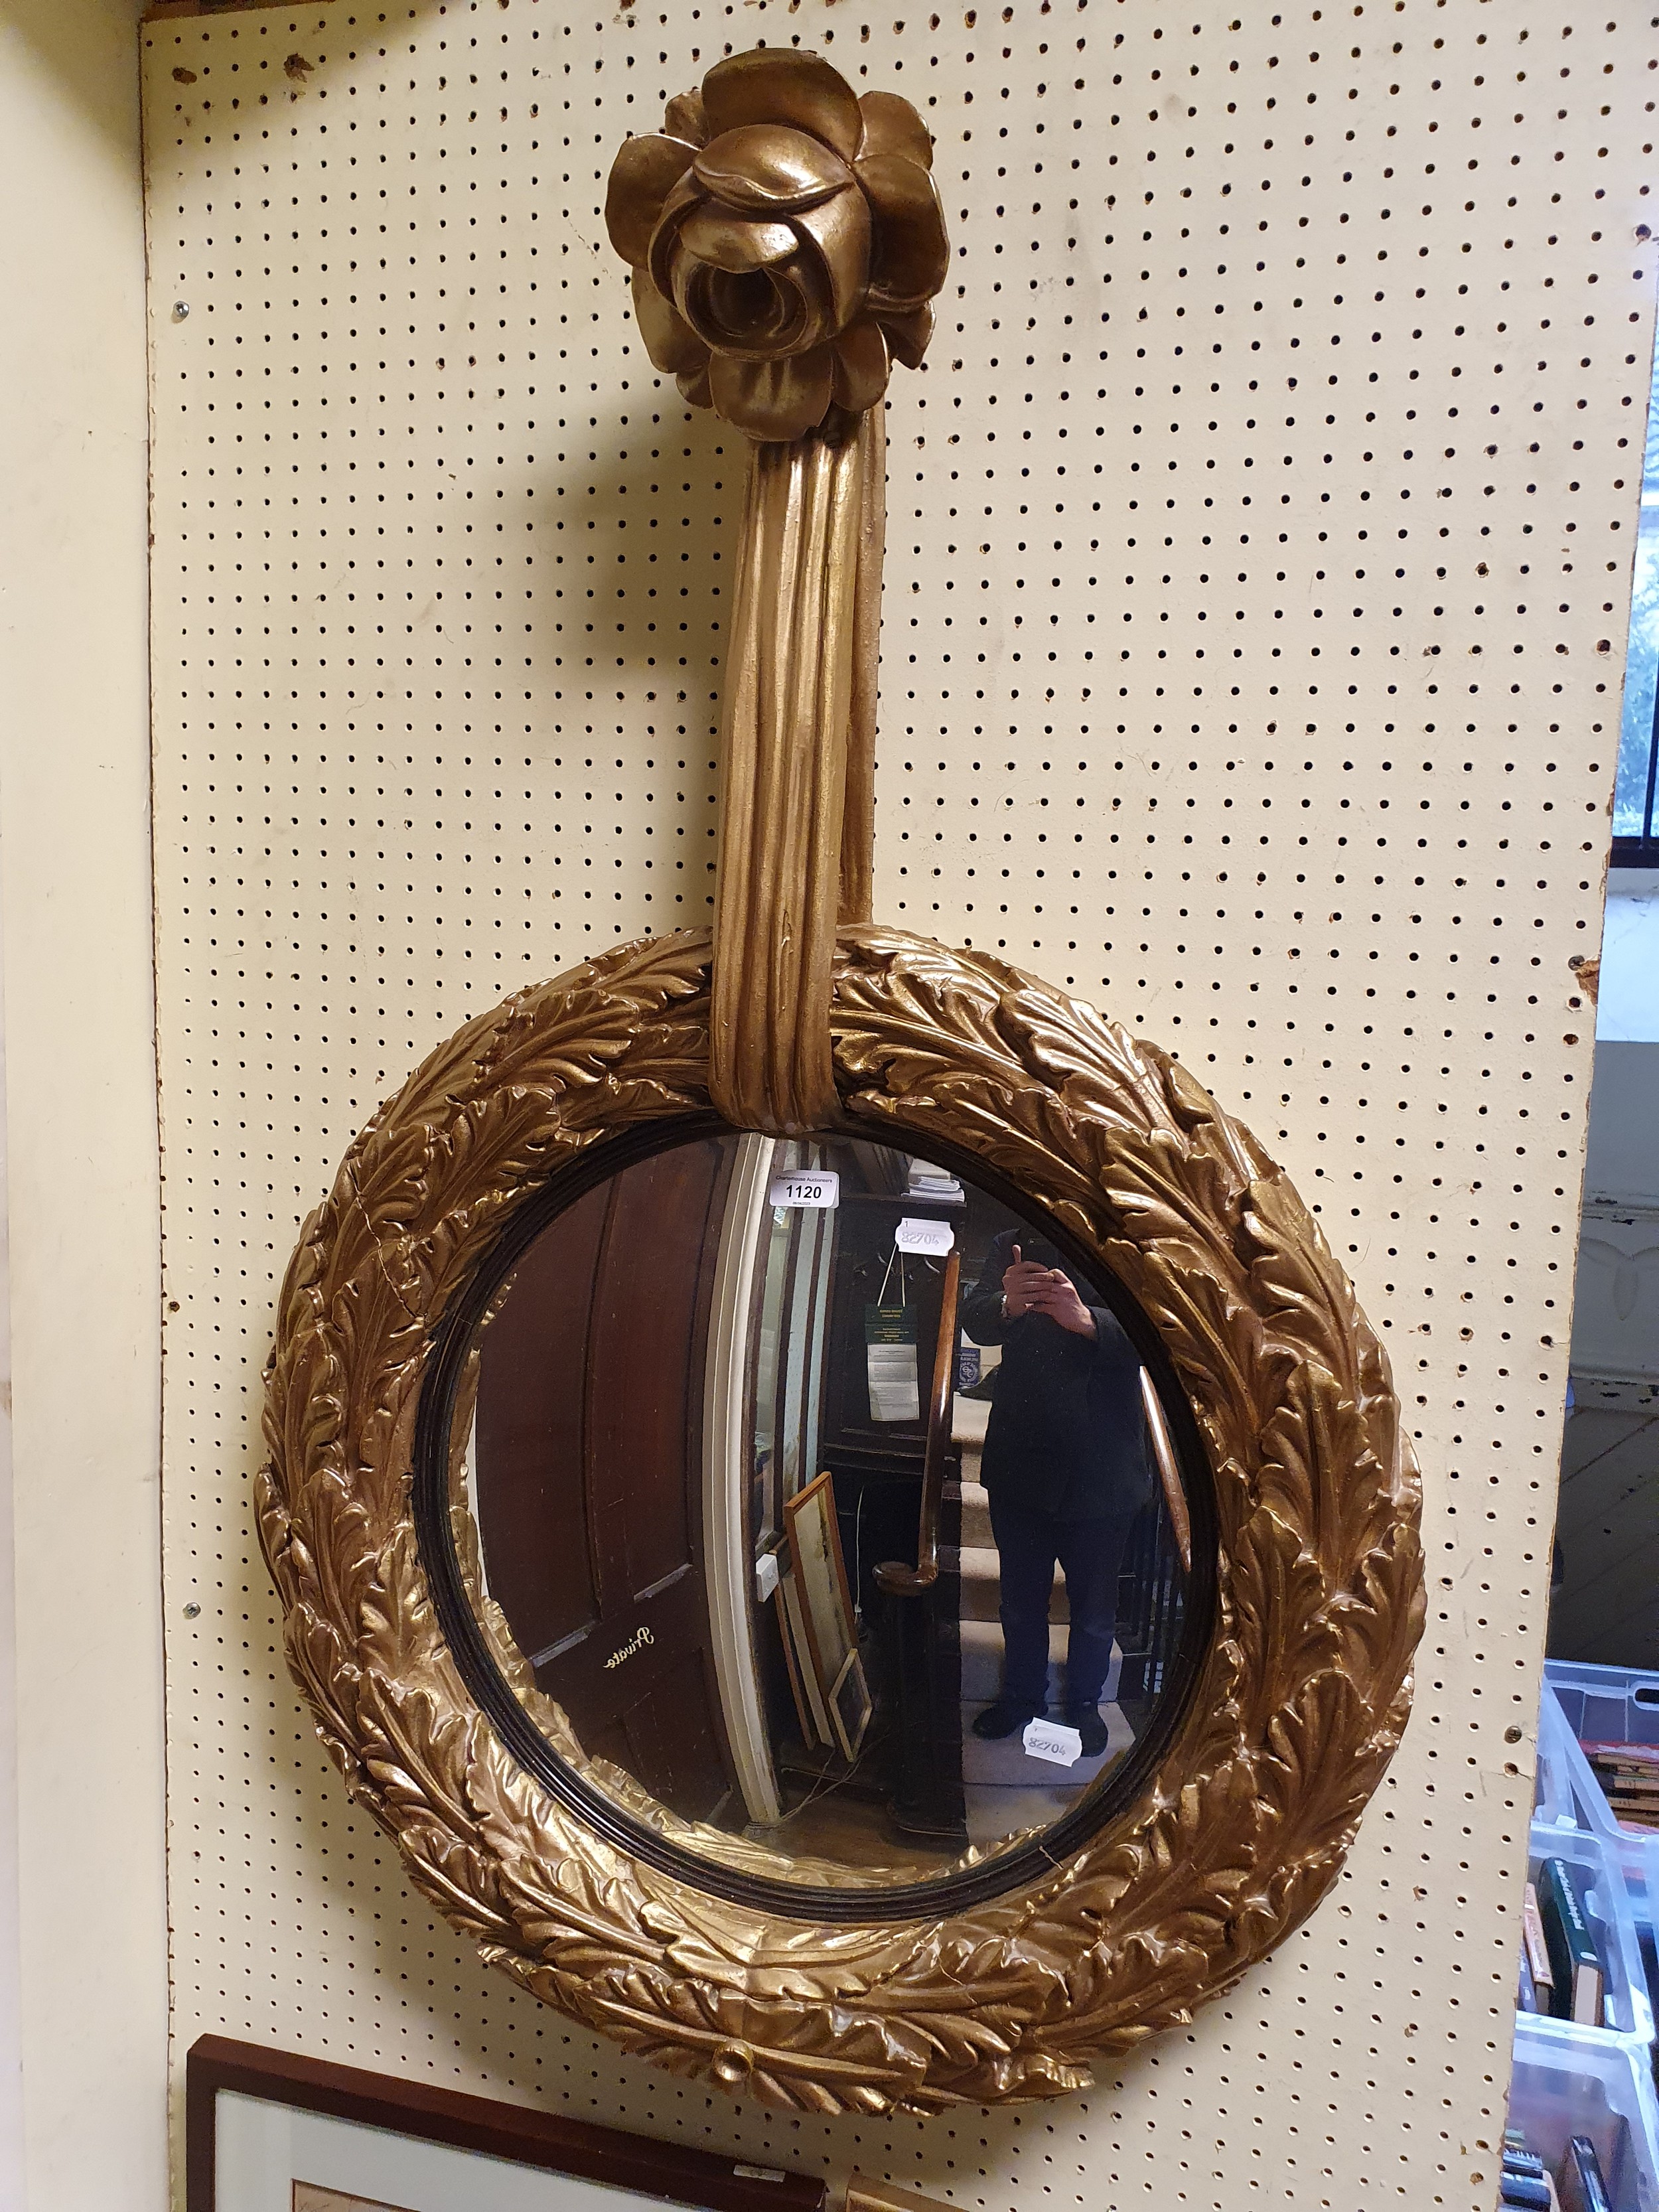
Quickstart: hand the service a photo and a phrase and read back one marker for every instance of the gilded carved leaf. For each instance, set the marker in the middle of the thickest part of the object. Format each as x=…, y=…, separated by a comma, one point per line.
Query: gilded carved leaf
x=1280, y=1606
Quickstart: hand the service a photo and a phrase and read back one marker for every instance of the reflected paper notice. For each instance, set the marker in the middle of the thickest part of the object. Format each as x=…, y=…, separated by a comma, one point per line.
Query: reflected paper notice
x=809, y=1186
x=933, y=1237
x=1052, y=1741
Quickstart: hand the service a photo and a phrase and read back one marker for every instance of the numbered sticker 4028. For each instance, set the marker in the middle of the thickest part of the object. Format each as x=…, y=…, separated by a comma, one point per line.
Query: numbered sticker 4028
x=806, y=1187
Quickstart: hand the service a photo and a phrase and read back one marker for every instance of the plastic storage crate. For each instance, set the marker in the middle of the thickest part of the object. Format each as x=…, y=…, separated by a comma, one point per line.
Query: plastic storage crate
x=1629, y=2011
x=1554, y=1797
x=1600, y=2086
x=1612, y=1705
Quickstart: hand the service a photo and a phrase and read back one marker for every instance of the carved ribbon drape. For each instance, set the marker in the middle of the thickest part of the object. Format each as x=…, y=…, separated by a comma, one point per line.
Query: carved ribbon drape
x=787, y=240
x=797, y=773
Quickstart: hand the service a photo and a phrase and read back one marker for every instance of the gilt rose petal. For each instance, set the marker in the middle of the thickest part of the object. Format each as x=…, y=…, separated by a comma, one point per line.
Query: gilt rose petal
x=684, y=196
x=694, y=387
x=684, y=118
x=891, y=125
x=669, y=339
x=861, y=367
x=765, y=169
x=841, y=230
x=910, y=255
x=908, y=334
x=772, y=398
x=644, y=172
x=731, y=242
x=780, y=85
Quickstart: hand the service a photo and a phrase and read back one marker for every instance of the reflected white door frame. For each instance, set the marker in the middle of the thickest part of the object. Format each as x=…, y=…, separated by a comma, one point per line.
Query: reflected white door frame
x=727, y=1442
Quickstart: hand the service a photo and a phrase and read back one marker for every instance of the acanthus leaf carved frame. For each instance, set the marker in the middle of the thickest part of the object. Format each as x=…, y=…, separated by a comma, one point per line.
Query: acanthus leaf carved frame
x=1305, y=1687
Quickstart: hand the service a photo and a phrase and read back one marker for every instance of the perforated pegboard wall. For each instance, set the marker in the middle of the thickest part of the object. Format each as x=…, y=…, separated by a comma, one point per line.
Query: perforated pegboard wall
x=1259, y=551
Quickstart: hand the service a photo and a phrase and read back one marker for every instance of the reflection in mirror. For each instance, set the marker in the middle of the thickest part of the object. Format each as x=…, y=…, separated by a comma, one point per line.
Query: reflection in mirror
x=818, y=1510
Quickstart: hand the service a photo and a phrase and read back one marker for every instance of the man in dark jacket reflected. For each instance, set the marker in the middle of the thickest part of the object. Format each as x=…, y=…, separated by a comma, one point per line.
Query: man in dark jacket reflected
x=1067, y=1467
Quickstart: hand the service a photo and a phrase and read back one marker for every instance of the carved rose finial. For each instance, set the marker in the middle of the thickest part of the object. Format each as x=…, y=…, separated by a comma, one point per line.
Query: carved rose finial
x=786, y=238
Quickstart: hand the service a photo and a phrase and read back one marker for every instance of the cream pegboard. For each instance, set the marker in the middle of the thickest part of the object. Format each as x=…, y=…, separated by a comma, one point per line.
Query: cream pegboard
x=1259, y=550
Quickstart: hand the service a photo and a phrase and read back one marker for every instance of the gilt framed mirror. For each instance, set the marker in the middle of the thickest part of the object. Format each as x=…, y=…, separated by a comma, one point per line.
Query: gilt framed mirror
x=761, y=1527
x=836, y=1503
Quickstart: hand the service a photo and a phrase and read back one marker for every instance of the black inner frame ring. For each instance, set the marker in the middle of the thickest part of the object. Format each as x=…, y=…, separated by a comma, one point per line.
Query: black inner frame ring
x=1032, y=1862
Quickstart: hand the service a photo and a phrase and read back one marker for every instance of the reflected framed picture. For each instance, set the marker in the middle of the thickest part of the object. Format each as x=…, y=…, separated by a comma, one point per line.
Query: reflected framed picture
x=849, y=1705
x=820, y=1574
x=269, y=2132
x=811, y=1708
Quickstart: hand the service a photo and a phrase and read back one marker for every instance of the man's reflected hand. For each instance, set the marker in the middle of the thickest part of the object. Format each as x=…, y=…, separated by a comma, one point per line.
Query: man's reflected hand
x=1022, y=1283
x=1028, y=1289
x=1059, y=1299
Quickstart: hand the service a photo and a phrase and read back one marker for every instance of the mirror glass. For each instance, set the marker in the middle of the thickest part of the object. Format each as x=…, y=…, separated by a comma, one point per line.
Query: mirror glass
x=818, y=1510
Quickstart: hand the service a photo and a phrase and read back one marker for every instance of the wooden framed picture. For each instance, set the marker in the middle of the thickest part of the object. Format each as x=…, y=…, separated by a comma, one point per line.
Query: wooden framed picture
x=849, y=1705
x=820, y=1573
x=269, y=2132
x=811, y=1710
x=865, y=2194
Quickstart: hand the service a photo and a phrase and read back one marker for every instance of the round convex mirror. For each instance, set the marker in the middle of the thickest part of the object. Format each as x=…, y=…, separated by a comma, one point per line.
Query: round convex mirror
x=811, y=1509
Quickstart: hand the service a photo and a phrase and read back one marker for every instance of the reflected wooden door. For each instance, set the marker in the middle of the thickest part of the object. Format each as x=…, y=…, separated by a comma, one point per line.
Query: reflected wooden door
x=589, y=1471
